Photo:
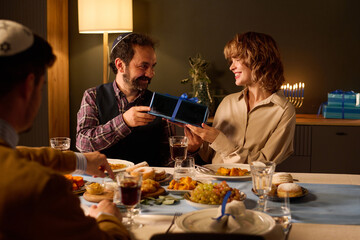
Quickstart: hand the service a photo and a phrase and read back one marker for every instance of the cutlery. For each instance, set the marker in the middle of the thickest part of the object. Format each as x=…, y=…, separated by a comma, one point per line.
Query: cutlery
x=204, y=170
x=177, y=214
x=288, y=231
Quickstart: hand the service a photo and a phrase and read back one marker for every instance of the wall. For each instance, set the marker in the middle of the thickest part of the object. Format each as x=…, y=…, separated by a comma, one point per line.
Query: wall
x=33, y=15
x=319, y=42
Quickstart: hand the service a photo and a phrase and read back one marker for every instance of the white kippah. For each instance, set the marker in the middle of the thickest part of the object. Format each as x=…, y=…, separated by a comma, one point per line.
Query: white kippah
x=14, y=38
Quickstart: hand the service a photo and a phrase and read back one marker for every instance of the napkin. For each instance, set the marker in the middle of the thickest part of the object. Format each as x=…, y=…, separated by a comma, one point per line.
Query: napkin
x=234, y=220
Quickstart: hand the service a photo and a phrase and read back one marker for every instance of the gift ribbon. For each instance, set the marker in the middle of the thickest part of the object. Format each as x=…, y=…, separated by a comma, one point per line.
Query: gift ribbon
x=223, y=207
x=343, y=93
x=183, y=97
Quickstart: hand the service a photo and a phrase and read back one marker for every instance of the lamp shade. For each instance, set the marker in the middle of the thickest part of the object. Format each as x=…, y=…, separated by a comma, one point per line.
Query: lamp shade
x=99, y=16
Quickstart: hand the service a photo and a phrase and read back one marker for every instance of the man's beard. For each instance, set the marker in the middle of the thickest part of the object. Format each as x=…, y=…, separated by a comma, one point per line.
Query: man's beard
x=135, y=84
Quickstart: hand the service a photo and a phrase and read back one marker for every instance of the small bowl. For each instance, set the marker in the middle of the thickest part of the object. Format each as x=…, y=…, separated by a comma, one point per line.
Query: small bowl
x=94, y=188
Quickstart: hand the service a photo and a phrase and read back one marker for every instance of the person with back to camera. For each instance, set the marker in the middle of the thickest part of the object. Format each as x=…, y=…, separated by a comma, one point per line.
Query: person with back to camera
x=36, y=200
x=113, y=117
x=257, y=123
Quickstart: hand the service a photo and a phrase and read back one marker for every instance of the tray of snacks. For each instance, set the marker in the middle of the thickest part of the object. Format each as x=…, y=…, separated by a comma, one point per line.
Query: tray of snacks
x=211, y=195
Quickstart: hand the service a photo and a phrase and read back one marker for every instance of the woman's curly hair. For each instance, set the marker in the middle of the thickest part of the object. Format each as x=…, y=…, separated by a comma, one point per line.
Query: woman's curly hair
x=260, y=53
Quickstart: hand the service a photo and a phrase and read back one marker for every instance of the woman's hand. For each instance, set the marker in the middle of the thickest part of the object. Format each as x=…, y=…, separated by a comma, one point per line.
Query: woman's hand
x=194, y=142
x=206, y=133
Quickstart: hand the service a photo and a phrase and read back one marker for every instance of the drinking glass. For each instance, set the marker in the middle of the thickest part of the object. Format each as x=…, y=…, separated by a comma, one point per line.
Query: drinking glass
x=279, y=210
x=178, y=147
x=130, y=194
x=60, y=143
x=261, y=174
x=184, y=168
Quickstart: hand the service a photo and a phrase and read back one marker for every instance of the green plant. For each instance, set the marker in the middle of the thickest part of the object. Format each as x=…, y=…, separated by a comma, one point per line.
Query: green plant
x=197, y=71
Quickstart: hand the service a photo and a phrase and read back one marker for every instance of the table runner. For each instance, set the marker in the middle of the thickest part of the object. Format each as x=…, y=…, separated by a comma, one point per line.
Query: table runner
x=324, y=204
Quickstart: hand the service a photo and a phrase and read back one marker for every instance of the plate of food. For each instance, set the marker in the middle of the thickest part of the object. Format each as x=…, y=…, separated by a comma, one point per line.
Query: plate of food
x=78, y=183
x=293, y=190
x=118, y=165
x=257, y=223
x=211, y=195
x=228, y=171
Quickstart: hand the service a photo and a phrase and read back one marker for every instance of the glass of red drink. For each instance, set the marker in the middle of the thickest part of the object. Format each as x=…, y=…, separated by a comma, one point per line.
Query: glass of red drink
x=130, y=194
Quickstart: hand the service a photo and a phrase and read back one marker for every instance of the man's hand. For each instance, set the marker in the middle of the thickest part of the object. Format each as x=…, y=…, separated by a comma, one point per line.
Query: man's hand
x=105, y=206
x=97, y=164
x=137, y=116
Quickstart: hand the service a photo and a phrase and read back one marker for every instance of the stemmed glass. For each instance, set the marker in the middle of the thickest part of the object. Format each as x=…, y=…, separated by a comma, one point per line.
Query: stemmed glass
x=60, y=143
x=130, y=194
x=279, y=210
x=261, y=174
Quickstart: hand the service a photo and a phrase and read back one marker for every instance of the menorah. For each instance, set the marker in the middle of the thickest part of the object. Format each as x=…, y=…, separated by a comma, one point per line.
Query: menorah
x=294, y=93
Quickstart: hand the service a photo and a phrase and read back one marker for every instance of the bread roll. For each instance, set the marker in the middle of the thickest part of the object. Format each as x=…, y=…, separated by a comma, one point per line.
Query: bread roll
x=292, y=189
x=279, y=178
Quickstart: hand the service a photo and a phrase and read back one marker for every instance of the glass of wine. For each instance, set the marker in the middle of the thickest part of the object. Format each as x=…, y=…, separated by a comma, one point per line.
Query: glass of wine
x=60, y=143
x=130, y=194
x=261, y=174
x=178, y=147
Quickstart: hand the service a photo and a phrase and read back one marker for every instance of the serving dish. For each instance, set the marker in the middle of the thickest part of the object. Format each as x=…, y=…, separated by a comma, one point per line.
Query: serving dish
x=119, y=161
x=205, y=206
x=215, y=167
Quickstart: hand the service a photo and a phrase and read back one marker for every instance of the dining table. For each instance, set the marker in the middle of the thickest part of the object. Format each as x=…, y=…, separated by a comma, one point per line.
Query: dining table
x=330, y=210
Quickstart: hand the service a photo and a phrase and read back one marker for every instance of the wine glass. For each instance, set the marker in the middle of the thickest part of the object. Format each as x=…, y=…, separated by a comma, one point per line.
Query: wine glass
x=261, y=174
x=279, y=210
x=60, y=143
x=130, y=194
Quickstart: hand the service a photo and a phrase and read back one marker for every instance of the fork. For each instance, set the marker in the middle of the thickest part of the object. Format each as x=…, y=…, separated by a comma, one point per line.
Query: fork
x=177, y=214
x=204, y=170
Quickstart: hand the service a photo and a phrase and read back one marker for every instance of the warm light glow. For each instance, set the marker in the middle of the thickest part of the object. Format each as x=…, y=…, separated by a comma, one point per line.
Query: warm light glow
x=99, y=16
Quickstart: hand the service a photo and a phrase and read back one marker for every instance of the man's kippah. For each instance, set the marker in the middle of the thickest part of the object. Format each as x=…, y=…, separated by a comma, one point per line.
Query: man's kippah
x=14, y=38
x=119, y=39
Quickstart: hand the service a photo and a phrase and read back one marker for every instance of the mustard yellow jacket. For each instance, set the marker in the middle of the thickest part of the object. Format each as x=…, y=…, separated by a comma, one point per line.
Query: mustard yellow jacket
x=36, y=202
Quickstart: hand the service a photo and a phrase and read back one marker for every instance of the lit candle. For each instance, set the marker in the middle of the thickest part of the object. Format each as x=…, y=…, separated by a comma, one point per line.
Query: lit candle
x=295, y=90
x=303, y=87
x=287, y=89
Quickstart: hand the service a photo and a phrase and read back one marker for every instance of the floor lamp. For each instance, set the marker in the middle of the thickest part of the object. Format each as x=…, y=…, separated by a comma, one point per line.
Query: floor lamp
x=105, y=16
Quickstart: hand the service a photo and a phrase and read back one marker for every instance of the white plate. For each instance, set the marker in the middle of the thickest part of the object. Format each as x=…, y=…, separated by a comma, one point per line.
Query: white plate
x=119, y=161
x=256, y=223
x=177, y=192
x=215, y=167
x=205, y=206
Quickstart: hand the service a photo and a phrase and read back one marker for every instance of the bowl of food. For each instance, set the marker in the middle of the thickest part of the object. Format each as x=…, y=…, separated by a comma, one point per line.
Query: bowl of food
x=94, y=188
x=211, y=195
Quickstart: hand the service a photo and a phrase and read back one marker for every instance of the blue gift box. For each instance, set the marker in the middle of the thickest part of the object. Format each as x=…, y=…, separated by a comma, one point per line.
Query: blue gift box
x=341, y=112
x=341, y=98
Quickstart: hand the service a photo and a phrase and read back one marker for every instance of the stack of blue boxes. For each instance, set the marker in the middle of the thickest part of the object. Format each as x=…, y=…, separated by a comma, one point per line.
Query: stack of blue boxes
x=342, y=104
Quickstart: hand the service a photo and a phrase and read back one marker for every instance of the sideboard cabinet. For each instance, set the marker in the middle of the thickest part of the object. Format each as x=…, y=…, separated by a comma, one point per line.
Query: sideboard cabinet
x=324, y=146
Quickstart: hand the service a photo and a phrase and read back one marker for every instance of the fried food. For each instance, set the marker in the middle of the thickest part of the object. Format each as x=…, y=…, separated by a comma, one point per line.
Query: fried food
x=117, y=166
x=149, y=186
x=76, y=181
x=185, y=183
x=94, y=188
x=232, y=172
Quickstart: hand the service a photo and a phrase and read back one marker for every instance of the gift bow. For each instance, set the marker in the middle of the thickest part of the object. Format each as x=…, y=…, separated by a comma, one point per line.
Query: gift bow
x=343, y=92
x=223, y=207
x=183, y=97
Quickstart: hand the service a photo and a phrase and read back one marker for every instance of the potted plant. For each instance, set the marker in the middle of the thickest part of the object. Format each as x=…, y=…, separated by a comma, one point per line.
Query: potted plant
x=200, y=80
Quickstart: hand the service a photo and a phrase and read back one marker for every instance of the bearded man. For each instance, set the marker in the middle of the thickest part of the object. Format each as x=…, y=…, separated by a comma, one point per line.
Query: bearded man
x=113, y=117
